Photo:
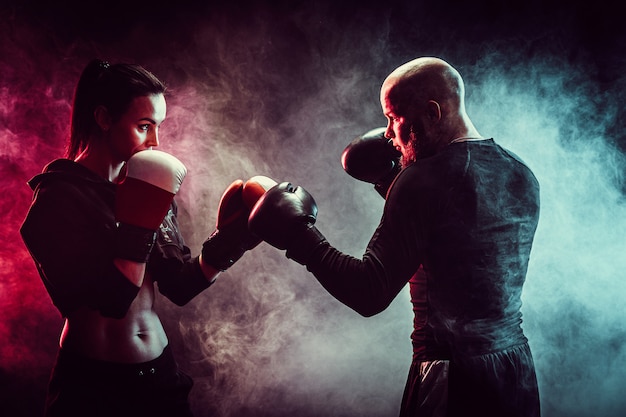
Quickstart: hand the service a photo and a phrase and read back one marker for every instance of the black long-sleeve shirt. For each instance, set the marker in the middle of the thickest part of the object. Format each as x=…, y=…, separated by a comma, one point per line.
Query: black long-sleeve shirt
x=458, y=227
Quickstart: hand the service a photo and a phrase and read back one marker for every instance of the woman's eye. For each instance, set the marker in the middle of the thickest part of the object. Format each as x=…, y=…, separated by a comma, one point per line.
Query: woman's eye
x=144, y=127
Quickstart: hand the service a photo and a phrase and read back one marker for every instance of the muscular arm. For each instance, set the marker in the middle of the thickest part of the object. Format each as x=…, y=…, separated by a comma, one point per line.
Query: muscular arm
x=362, y=284
x=368, y=285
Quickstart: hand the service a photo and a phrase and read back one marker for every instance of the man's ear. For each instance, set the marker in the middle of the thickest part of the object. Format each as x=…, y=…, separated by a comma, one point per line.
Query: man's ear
x=103, y=118
x=433, y=111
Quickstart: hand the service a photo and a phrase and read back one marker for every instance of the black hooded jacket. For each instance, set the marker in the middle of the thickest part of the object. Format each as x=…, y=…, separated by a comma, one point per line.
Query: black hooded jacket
x=69, y=231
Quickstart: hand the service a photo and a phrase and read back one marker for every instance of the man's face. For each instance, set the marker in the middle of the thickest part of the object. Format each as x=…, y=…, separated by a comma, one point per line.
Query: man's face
x=410, y=128
x=404, y=133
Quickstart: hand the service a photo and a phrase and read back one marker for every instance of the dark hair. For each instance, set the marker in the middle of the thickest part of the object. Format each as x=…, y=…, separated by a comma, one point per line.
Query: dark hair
x=112, y=86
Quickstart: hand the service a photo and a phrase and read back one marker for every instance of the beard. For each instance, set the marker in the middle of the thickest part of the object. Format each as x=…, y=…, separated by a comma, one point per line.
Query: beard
x=418, y=147
x=408, y=156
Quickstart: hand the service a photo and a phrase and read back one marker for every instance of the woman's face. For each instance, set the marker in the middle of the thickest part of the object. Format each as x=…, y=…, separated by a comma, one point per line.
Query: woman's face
x=138, y=128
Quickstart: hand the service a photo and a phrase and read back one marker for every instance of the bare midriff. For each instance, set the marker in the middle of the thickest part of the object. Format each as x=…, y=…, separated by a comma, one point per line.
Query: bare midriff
x=138, y=337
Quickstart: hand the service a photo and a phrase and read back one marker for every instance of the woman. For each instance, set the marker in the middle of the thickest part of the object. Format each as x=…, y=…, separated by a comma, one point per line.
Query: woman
x=99, y=250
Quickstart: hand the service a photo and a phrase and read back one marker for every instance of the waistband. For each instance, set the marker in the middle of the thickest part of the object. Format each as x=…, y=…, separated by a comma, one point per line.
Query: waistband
x=69, y=362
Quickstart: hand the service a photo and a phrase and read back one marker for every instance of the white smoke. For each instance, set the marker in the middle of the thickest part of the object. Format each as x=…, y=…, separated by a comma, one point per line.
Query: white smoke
x=280, y=93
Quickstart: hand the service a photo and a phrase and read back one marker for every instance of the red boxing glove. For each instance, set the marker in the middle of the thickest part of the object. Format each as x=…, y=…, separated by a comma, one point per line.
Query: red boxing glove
x=144, y=196
x=142, y=200
x=232, y=239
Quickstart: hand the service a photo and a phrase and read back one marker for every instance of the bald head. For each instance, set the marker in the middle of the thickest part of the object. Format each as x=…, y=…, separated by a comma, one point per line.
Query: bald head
x=424, y=102
x=424, y=79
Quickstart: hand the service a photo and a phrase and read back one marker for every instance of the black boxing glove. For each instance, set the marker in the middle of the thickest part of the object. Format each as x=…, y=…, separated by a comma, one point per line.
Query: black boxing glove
x=372, y=158
x=285, y=217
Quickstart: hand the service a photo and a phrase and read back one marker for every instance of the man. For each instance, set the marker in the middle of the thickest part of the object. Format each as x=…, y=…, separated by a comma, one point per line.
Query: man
x=458, y=226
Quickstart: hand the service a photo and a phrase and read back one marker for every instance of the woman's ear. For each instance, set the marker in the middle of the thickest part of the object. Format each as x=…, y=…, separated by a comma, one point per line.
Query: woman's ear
x=103, y=118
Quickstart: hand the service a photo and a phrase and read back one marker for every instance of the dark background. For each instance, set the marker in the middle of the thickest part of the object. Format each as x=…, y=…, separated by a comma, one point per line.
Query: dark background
x=279, y=88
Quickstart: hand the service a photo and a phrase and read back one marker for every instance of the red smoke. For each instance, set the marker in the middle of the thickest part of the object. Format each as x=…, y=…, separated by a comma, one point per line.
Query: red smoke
x=34, y=114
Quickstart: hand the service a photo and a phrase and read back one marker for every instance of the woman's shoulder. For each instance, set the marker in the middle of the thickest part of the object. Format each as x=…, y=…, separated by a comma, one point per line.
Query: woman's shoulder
x=68, y=189
x=63, y=173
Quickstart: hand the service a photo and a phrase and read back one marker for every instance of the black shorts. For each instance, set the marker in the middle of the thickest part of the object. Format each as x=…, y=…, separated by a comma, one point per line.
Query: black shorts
x=500, y=384
x=80, y=386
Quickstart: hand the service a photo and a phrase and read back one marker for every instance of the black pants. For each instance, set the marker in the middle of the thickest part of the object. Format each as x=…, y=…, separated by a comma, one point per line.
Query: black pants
x=83, y=387
x=500, y=384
